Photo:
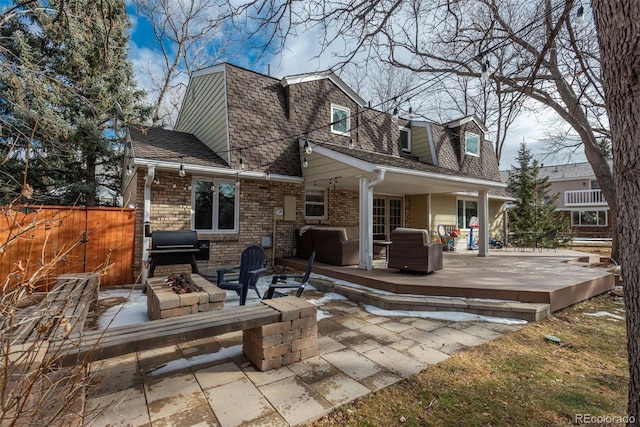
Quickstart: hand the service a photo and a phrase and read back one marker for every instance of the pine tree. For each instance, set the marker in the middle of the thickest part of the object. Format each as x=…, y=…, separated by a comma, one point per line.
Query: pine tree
x=535, y=208
x=65, y=65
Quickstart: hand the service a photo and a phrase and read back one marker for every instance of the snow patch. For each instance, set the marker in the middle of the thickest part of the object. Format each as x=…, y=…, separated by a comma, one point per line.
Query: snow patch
x=603, y=314
x=452, y=316
x=175, y=365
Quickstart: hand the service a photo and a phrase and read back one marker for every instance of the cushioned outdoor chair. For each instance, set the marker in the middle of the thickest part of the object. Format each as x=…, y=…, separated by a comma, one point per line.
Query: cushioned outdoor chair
x=251, y=267
x=410, y=250
x=282, y=281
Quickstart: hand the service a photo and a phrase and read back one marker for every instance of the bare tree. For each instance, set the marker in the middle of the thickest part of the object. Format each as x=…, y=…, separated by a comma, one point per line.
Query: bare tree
x=618, y=23
x=458, y=95
x=534, y=50
x=187, y=33
x=385, y=86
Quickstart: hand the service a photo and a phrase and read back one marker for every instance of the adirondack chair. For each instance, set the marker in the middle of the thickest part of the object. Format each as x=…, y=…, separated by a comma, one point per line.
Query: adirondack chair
x=251, y=267
x=282, y=281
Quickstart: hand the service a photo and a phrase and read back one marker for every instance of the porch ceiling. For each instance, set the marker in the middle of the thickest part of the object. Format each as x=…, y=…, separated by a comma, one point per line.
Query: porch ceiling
x=326, y=166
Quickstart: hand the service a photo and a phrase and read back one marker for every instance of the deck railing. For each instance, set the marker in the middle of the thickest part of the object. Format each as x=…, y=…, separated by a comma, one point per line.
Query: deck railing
x=584, y=198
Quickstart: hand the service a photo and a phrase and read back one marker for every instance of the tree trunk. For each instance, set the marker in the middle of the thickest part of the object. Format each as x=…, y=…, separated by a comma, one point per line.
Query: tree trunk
x=618, y=24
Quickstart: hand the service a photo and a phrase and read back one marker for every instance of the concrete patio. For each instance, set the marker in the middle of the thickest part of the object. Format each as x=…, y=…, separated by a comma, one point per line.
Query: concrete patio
x=210, y=382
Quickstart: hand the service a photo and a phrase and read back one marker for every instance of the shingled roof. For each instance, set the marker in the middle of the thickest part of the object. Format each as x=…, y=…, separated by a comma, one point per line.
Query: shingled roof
x=170, y=146
x=258, y=118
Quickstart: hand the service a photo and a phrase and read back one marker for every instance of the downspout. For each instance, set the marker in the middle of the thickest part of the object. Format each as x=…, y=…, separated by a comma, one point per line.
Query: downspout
x=366, y=221
x=146, y=223
x=380, y=179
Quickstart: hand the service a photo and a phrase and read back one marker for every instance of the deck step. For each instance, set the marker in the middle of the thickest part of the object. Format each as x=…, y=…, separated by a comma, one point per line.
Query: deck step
x=531, y=312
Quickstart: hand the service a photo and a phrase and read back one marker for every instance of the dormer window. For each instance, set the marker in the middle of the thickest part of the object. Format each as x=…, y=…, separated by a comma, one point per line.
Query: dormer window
x=405, y=139
x=472, y=144
x=340, y=120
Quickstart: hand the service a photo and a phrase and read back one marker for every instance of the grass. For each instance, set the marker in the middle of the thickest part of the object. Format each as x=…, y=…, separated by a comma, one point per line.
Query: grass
x=521, y=379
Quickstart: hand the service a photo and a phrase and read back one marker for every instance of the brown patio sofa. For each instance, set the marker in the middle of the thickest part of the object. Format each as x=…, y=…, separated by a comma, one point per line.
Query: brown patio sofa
x=410, y=250
x=333, y=245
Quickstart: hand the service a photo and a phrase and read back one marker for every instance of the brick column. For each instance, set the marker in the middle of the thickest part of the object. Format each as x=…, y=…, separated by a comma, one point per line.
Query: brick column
x=292, y=339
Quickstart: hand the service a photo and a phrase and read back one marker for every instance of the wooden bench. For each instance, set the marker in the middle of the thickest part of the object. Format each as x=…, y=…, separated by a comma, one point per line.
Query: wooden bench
x=62, y=312
x=267, y=328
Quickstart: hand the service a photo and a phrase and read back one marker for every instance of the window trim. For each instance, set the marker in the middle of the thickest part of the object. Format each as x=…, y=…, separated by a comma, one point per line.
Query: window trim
x=236, y=206
x=346, y=110
x=464, y=201
x=606, y=218
x=325, y=203
x=408, y=130
x=466, y=150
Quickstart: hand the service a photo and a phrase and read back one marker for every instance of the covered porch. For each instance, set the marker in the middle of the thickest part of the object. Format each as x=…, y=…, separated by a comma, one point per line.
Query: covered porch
x=527, y=285
x=370, y=173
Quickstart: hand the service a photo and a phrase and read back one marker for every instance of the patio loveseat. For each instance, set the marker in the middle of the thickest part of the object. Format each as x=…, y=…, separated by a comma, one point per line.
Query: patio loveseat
x=333, y=245
x=411, y=250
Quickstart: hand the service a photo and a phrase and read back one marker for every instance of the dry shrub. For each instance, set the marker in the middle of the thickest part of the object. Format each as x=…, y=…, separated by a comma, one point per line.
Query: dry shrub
x=34, y=390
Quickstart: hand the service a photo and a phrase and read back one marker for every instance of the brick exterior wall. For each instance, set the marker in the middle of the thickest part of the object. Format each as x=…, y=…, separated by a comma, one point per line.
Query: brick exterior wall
x=171, y=210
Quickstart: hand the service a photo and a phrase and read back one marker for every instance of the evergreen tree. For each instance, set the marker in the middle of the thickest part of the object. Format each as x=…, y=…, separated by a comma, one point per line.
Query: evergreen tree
x=535, y=208
x=64, y=66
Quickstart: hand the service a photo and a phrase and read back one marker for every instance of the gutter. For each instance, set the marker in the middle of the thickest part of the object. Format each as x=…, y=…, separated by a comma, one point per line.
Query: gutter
x=208, y=170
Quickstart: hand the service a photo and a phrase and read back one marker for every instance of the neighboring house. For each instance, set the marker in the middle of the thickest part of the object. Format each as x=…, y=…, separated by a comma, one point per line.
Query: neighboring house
x=580, y=198
x=253, y=158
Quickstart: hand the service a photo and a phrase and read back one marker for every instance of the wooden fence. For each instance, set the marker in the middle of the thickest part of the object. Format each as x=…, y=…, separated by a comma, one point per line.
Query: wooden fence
x=37, y=244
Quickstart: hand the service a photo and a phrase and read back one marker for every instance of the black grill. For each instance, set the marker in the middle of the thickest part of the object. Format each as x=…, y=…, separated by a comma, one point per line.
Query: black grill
x=173, y=247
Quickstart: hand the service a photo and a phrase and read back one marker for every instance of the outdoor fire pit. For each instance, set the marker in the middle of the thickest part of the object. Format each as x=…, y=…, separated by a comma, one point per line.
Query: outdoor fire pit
x=182, y=284
x=177, y=296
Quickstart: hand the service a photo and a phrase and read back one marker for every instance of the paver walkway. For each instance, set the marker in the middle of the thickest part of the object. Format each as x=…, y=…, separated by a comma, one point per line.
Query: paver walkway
x=210, y=382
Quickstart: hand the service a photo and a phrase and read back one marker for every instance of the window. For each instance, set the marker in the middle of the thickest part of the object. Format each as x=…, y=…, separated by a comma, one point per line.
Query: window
x=215, y=206
x=315, y=203
x=340, y=120
x=472, y=144
x=593, y=184
x=405, y=139
x=589, y=218
x=467, y=209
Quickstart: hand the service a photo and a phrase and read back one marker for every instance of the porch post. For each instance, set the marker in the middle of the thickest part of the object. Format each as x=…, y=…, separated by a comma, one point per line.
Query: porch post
x=366, y=225
x=483, y=220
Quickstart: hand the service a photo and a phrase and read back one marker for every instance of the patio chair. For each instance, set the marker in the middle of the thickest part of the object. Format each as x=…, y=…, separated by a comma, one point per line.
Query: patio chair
x=251, y=266
x=281, y=281
x=411, y=250
x=448, y=242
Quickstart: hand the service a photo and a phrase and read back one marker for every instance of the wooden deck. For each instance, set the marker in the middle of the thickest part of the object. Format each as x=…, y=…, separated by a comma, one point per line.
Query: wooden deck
x=559, y=279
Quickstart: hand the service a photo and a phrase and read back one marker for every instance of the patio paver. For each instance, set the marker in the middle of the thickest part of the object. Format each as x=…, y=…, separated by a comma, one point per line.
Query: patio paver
x=188, y=384
x=296, y=401
x=238, y=402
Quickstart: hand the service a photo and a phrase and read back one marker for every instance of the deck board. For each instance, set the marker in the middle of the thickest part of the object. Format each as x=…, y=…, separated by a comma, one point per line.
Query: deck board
x=560, y=278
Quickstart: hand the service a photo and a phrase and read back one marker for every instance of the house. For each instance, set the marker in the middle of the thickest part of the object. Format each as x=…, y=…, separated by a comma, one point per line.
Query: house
x=252, y=158
x=580, y=198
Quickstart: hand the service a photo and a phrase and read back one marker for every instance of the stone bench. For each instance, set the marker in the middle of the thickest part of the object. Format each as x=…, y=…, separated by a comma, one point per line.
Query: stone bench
x=276, y=333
